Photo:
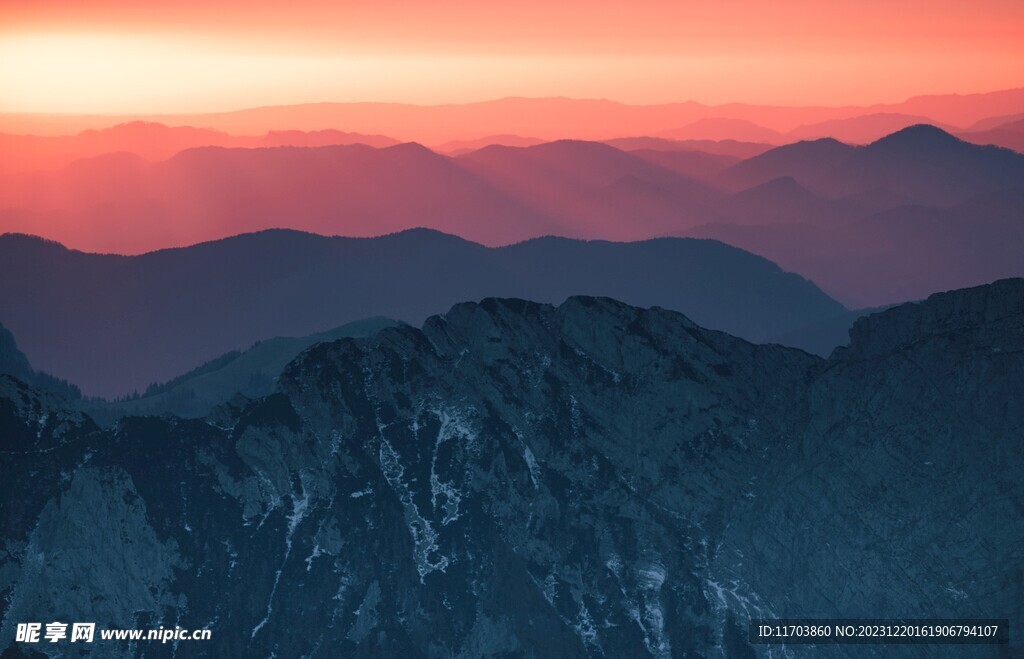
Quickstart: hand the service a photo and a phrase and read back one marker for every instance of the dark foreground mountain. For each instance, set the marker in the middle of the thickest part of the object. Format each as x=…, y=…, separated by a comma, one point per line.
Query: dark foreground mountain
x=114, y=324
x=519, y=479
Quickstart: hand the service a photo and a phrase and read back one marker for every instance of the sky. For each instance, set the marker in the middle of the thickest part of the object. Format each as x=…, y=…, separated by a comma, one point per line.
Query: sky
x=182, y=56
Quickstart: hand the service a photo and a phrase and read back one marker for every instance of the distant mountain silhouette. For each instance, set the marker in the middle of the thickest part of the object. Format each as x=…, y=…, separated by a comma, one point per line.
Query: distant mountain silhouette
x=119, y=203
x=327, y=137
x=497, y=195
x=920, y=164
x=730, y=148
x=859, y=130
x=148, y=318
x=460, y=147
x=697, y=165
x=781, y=201
x=959, y=109
x=153, y=141
x=899, y=254
x=720, y=128
x=802, y=161
x=988, y=123
x=544, y=118
x=1009, y=134
x=595, y=190
x=930, y=166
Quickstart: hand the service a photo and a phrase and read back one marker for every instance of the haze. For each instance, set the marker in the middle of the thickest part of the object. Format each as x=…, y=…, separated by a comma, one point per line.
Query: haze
x=104, y=56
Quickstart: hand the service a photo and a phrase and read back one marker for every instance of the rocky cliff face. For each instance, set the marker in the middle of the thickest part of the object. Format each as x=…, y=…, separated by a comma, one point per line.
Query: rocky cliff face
x=514, y=478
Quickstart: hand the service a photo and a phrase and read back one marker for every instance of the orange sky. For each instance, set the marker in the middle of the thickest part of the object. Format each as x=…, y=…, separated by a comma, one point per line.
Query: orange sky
x=169, y=56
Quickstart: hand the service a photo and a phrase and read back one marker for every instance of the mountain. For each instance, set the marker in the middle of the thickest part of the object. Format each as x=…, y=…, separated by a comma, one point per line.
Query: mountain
x=699, y=165
x=861, y=129
x=519, y=479
x=903, y=253
x=719, y=128
x=327, y=137
x=148, y=318
x=960, y=109
x=229, y=379
x=780, y=201
x=496, y=195
x=920, y=164
x=988, y=123
x=460, y=147
x=1009, y=134
x=152, y=141
x=726, y=148
x=804, y=162
x=120, y=204
x=928, y=165
x=594, y=189
x=543, y=118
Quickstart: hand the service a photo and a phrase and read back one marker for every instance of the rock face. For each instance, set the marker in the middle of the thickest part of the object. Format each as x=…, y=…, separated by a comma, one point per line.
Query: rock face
x=520, y=479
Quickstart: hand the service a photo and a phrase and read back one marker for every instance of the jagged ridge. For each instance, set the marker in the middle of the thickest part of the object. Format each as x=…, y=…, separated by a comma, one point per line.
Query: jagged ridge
x=583, y=480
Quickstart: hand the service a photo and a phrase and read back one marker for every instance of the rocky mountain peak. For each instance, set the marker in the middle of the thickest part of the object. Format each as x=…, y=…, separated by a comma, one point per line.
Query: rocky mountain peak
x=588, y=479
x=996, y=309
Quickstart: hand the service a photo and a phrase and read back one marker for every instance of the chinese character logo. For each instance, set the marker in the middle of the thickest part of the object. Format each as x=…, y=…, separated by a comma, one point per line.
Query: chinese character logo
x=28, y=632
x=83, y=631
x=55, y=631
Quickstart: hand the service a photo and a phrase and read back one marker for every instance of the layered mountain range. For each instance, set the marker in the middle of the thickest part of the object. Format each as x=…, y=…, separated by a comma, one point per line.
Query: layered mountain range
x=588, y=119
x=591, y=479
x=117, y=324
x=912, y=213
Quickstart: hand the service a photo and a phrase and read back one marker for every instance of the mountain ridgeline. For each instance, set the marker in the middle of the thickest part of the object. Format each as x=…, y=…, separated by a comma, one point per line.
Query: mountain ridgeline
x=866, y=223
x=591, y=479
x=149, y=318
x=916, y=212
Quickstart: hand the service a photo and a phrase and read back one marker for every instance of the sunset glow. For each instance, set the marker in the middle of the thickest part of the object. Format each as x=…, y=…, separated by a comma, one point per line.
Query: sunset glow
x=180, y=57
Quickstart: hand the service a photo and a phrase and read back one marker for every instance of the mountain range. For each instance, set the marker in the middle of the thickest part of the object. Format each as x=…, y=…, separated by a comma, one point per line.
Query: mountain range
x=542, y=118
x=497, y=195
x=903, y=253
x=926, y=210
x=917, y=212
x=591, y=479
x=921, y=165
x=143, y=319
x=153, y=141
